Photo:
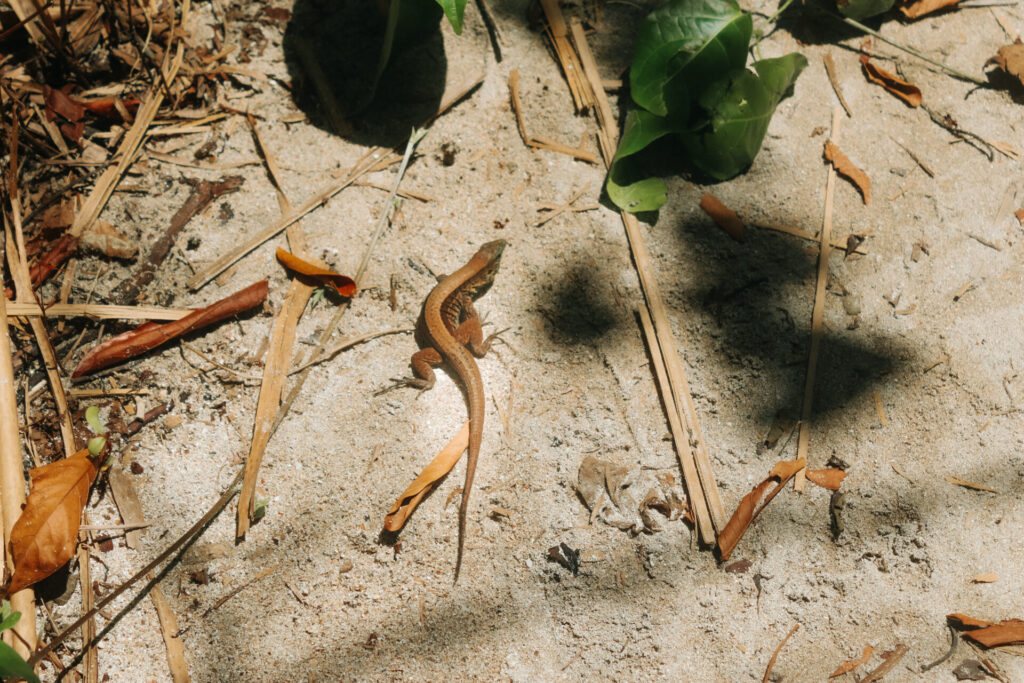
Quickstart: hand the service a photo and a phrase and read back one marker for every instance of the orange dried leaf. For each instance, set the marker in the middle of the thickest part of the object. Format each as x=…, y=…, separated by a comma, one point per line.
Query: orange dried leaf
x=990, y=577
x=752, y=504
x=907, y=92
x=988, y=634
x=421, y=486
x=151, y=335
x=1010, y=58
x=853, y=664
x=721, y=214
x=1019, y=213
x=848, y=169
x=923, y=7
x=345, y=285
x=827, y=479
x=45, y=535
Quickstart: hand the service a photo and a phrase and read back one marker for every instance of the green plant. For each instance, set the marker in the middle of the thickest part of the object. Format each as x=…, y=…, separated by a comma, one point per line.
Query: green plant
x=689, y=80
x=11, y=663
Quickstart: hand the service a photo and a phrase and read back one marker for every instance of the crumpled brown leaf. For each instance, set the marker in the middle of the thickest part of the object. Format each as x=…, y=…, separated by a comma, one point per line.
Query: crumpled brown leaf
x=907, y=92
x=422, y=485
x=622, y=497
x=829, y=478
x=1010, y=58
x=853, y=664
x=103, y=238
x=45, y=535
x=987, y=633
x=848, y=169
x=922, y=7
x=752, y=504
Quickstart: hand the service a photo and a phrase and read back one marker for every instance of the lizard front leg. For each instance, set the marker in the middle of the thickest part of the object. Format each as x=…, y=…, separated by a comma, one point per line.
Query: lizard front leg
x=470, y=332
x=423, y=363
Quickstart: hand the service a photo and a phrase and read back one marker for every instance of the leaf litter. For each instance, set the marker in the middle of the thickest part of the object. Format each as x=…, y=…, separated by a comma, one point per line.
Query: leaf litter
x=909, y=93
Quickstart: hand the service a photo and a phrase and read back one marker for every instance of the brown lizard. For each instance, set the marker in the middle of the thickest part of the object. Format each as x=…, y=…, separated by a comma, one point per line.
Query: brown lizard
x=449, y=331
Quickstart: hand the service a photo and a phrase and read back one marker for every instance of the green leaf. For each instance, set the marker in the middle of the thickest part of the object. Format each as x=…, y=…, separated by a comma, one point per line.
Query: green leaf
x=628, y=186
x=9, y=618
x=92, y=416
x=96, y=444
x=862, y=9
x=683, y=46
x=11, y=665
x=738, y=111
x=454, y=9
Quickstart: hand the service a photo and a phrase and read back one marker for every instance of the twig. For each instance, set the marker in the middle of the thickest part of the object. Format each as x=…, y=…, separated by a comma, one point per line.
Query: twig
x=346, y=344
x=190, y=535
x=818, y=311
x=954, y=639
x=775, y=655
x=203, y=194
x=836, y=244
x=492, y=28
x=238, y=589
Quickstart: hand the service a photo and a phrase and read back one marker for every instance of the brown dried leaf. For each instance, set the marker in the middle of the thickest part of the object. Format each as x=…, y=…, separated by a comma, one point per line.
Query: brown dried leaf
x=752, y=504
x=44, y=537
x=1010, y=58
x=923, y=7
x=988, y=634
x=57, y=102
x=431, y=474
x=721, y=214
x=103, y=238
x=344, y=285
x=846, y=168
x=907, y=92
x=1019, y=213
x=151, y=335
x=853, y=664
x=829, y=478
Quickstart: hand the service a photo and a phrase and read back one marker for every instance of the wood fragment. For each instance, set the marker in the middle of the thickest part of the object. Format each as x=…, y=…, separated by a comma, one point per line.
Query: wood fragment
x=970, y=485
x=880, y=409
x=169, y=631
x=775, y=655
x=582, y=93
x=830, y=69
x=817, y=312
x=90, y=662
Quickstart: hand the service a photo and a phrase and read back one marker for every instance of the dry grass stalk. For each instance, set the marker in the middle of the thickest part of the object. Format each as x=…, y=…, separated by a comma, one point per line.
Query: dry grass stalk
x=169, y=630
x=705, y=486
x=775, y=655
x=818, y=312
x=90, y=663
x=582, y=93
x=31, y=309
x=535, y=141
x=282, y=341
x=830, y=69
x=12, y=486
x=836, y=244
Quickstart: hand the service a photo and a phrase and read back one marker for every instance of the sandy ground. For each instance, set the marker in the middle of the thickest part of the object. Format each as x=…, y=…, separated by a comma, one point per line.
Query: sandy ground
x=573, y=380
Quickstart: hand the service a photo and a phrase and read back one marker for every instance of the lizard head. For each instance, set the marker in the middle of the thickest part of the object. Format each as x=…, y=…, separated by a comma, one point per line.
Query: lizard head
x=490, y=254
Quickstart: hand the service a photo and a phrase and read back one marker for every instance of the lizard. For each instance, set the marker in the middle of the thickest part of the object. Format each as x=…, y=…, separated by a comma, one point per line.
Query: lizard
x=449, y=330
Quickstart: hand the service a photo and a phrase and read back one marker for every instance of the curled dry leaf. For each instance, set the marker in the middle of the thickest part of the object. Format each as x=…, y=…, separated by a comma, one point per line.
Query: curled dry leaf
x=848, y=169
x=44, y=537
x=853, y=664
x=345, y=285
x=151, y=335
x=907, y=92
x=421, y=486
x=829, y=478
x=752, y=504
x=1010, y=58
x=987, y=633
x=922, y=7
x=721, y=214
x=58, y=102
x=103, y=238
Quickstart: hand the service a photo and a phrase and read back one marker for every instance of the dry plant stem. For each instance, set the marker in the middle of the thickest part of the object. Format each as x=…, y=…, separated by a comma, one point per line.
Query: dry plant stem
x=99, y=311
x=775, y=655
x=836, y=244
x=169, y=630
x=582, y=97
x=347, y=344
x=818, y=312
x=282, y=341
x=12, y=484
x=91, y=661
x=705, y=486
x=190, y=535
x=681, y=440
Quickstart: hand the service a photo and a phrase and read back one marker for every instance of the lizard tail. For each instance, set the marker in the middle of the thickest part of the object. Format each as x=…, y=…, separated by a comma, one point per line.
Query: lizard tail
x=475, y=437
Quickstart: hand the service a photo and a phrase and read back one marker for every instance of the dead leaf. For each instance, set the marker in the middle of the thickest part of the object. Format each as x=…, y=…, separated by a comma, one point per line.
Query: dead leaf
x=829, y=478
x=907, y=92
x=738, y=567
x=57, y=102
x=421, y=486
x=345, y=285
x=923, y=7
x=748, y=509
x=988, y=634
x=853, y=664
x=103, y=238
x=1019, y=213
x=848, y=169
x=990, y=577
x=1010, y=58
x=721, y=214
x=45, y=535
x=151, y=335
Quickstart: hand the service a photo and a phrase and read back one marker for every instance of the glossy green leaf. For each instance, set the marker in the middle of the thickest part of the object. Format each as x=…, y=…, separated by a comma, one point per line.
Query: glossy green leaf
x=9, y=618
x=628, y=186
x=454, y=9
x=96, y=444
x=738, y=111
x=862, y=9
x=682, y=47
x=12, y=665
